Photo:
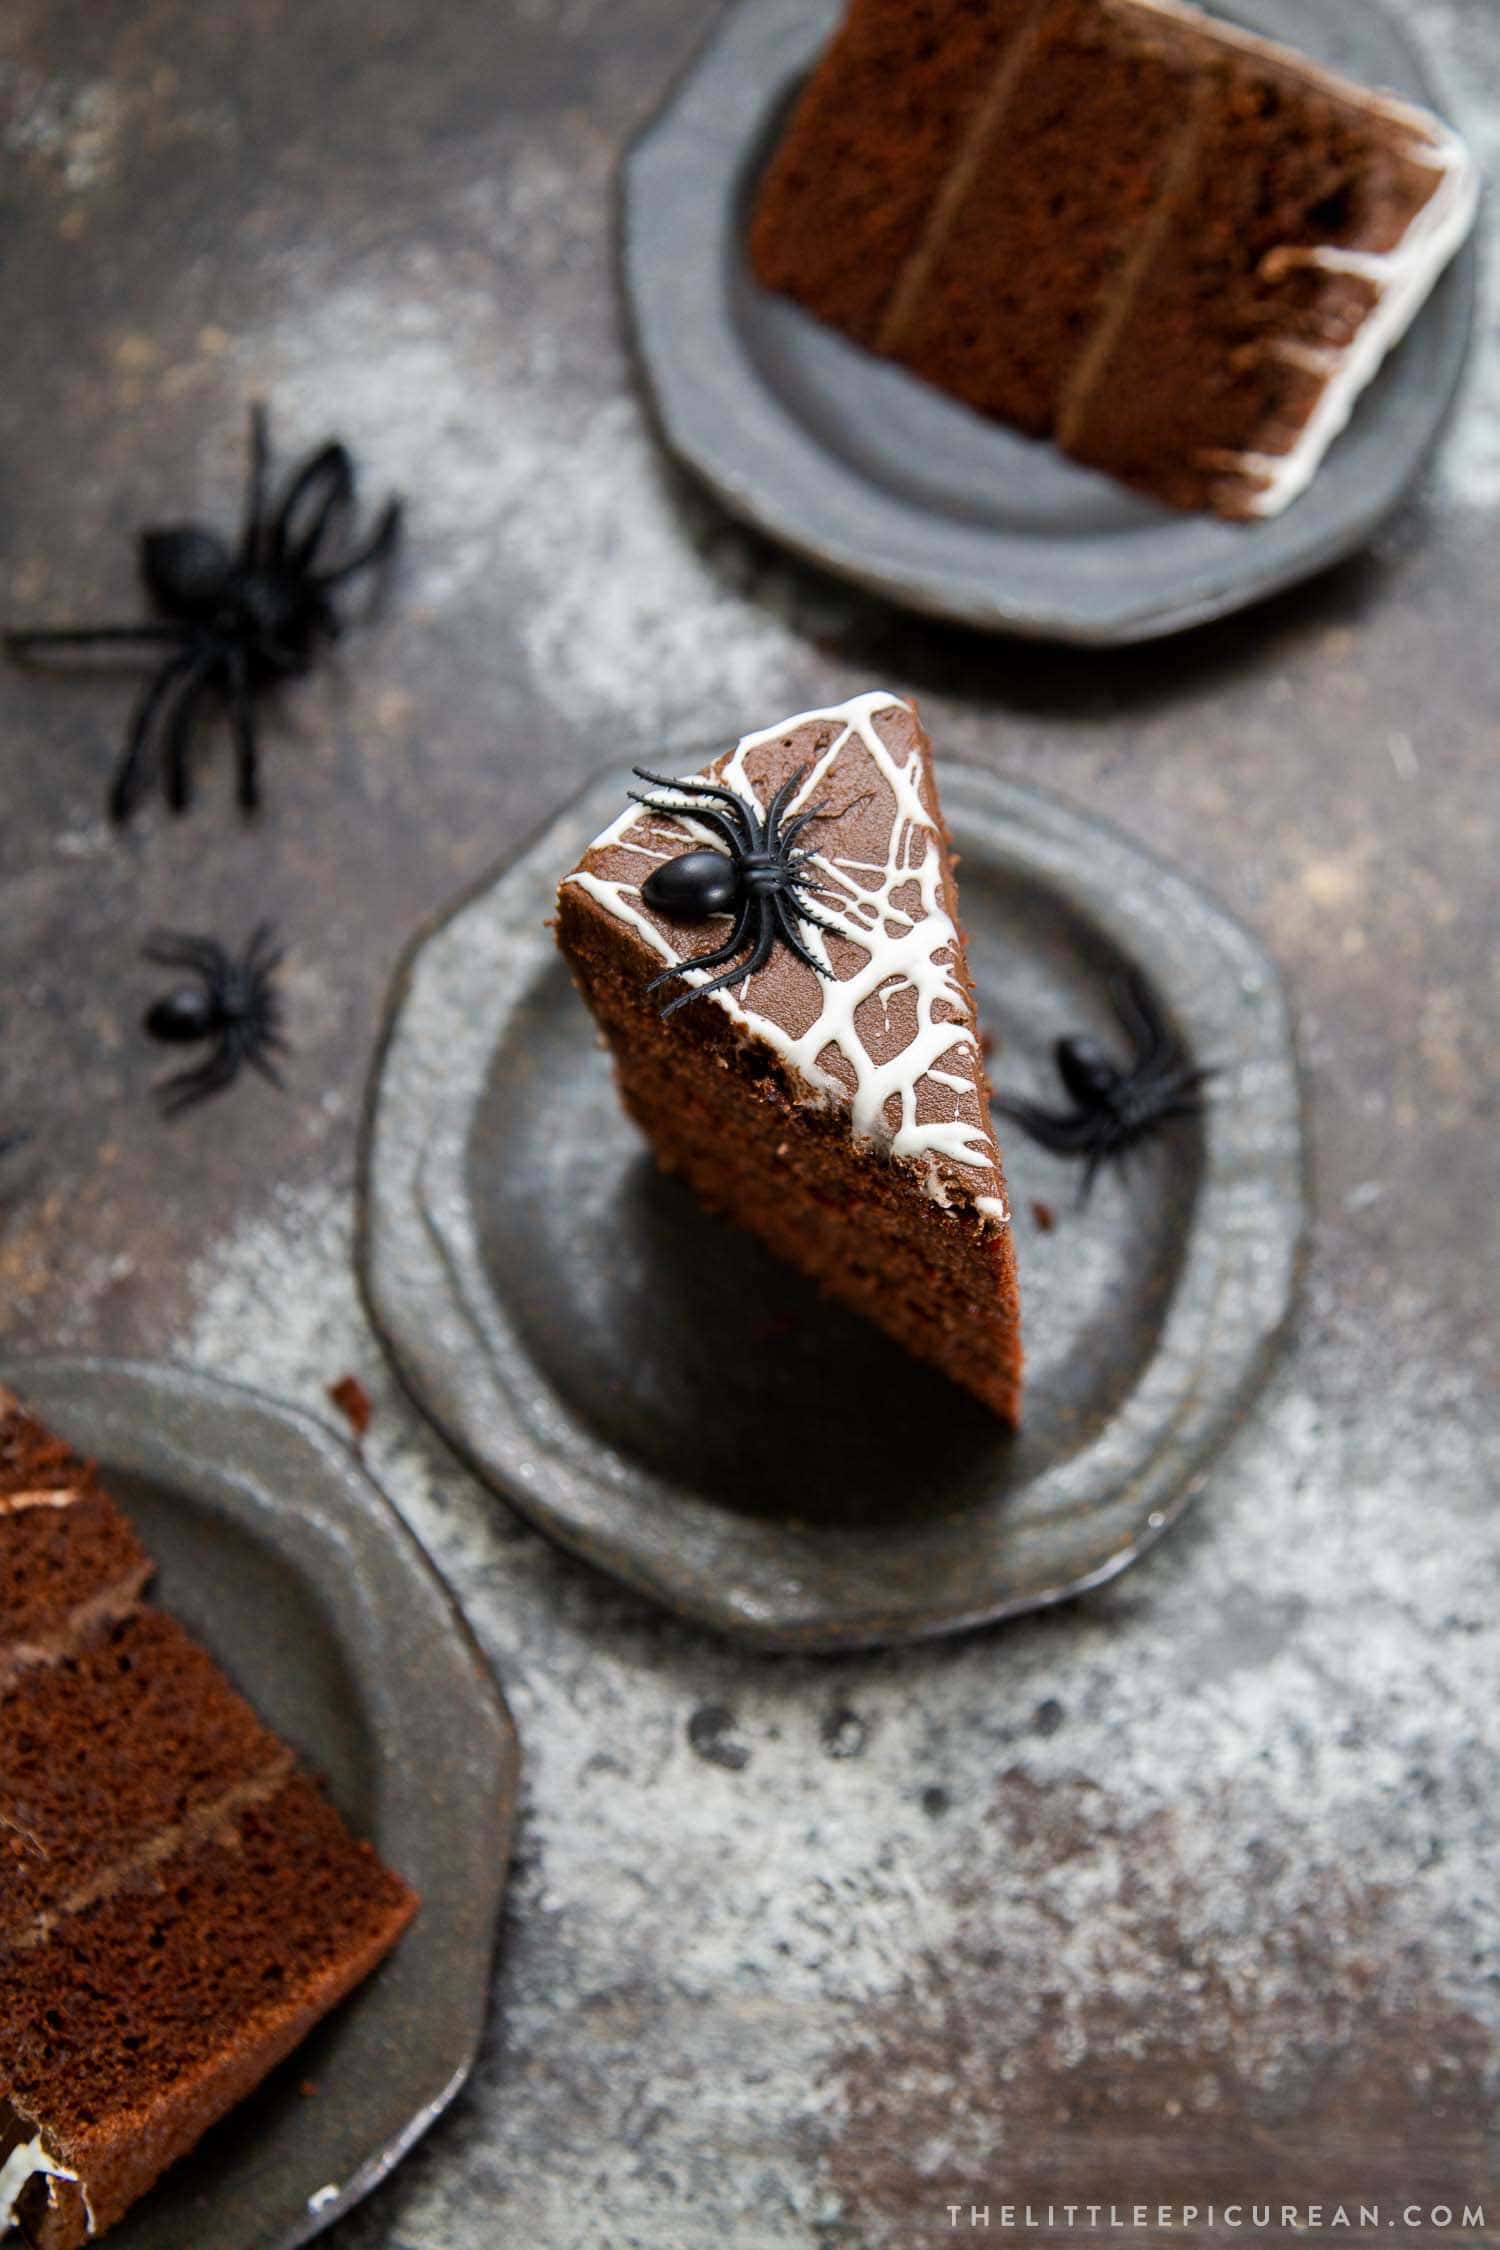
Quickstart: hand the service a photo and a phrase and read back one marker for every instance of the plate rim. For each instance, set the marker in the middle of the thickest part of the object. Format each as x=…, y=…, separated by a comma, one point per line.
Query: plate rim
x=350, y=1486
x=690, y=412
x=377, y=1262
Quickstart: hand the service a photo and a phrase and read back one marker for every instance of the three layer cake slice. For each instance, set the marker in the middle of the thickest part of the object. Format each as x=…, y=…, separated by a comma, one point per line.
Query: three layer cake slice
x=825, y=1087
x=1178, y=250
x=179, y=1903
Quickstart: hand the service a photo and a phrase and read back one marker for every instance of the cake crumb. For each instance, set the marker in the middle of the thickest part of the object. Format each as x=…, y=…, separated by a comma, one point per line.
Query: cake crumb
x=353, y=1401
x=1045, y=1216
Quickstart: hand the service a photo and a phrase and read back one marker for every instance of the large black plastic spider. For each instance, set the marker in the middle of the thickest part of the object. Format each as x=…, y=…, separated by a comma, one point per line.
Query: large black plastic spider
x=758, y=878
x=235, y=619
x=234, y=1003
x=1116, y=1105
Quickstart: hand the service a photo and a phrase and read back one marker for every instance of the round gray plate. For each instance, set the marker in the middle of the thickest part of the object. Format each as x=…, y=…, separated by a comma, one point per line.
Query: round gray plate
x=861, y=468
x=279, y=1552
x=653, y=1389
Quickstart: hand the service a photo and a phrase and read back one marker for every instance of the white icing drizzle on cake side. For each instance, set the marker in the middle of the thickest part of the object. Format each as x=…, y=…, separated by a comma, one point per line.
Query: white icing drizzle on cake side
x=908, y=948
x=1402, y=277
x=23, y=2165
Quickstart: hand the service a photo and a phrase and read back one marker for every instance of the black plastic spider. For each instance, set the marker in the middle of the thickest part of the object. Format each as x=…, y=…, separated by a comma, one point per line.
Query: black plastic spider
x=1116, y=1105
x=236, y=619
x=234, y=1003
x=758, y=878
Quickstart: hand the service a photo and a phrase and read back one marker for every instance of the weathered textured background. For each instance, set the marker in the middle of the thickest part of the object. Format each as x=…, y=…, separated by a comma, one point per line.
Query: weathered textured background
x=1188, y=1891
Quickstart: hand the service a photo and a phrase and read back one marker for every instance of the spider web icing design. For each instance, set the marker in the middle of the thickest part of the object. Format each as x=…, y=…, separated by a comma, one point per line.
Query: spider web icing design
x=896, y=951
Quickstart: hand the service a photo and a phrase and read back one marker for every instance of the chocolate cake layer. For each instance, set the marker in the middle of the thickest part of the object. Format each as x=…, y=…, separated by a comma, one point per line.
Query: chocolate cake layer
x=843, y=1116
x=151, y=2012
x=1179, y=250
x=847, y=201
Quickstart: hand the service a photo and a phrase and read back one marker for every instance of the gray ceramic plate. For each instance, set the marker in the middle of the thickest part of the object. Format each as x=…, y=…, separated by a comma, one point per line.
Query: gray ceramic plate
x=658, y=1393
x=858, y=467
x=295, y=1570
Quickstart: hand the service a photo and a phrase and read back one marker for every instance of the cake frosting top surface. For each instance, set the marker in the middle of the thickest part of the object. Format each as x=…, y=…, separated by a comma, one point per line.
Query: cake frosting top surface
x=888, y=1030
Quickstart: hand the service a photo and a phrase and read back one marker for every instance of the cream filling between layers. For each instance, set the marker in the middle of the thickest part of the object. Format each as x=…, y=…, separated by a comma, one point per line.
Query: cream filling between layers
x=105, y=1608
x=200, y=1825
x=60, y=1496
x=916, y=951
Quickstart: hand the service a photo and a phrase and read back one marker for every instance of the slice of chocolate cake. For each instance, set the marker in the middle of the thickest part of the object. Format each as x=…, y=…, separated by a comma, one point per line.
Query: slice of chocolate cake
x=1177, y=249
x=808, y=1058
x=179, y=1904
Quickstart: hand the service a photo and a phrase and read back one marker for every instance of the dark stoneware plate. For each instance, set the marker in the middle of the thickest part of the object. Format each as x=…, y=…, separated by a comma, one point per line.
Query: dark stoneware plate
x=859, y=467
x=295, y=1570
x=658, y=1393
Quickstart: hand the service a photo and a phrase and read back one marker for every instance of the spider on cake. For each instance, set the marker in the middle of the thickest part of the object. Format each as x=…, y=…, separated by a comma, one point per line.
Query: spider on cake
x=760, y=878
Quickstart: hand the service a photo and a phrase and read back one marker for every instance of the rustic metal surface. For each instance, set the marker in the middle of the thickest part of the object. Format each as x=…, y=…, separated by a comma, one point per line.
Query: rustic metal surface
x=858, y=467
x=1171, y=1890
x=293, y=1568
x=654, y=1390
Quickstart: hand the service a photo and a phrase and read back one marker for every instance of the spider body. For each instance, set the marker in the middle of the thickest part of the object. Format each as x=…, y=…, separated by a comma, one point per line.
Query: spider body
x=232, y=619
x=1115, y=1105
x=760, y=879
x=232, y=1002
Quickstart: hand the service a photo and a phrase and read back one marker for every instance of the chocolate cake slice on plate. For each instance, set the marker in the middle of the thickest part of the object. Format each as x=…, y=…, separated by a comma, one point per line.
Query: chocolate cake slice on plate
x=772, y=947
x=1178, y=250
x=179, y=1903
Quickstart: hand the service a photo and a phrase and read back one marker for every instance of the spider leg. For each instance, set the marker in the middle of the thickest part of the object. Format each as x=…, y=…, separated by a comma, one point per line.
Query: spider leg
x=180, y=732
x=253, y=534
x=740, y=974
x=175, y=949
x=748, y=826
x=24, y=645
x=380, y=545
x=1091, y=1171
x=727, y=952
x=1064, y=1132
x=1142, y=1021
x=257, y=1048
x=793, y=939
x=792, y=829
x=262, y=955
x=130, y=773
x=246, y=748
x=709, y=819
x=778, y=805
x=765, y=946
x=320, y=485
x=200, y=1084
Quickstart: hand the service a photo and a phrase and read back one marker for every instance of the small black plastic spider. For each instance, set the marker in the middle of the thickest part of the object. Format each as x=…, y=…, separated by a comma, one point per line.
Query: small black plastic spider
x=234, y=1003
x=758, y=878
x=236, y=619
x=1116, y=1105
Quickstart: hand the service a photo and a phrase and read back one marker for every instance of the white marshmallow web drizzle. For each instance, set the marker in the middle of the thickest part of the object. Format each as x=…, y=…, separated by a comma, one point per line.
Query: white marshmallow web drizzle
x=907, y=949
x=1403, y=279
